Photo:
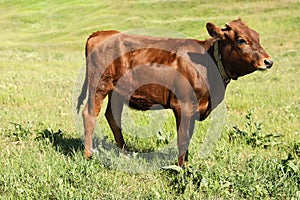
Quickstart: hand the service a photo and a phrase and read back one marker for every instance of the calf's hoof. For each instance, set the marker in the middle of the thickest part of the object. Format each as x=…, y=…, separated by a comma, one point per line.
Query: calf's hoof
x=87, y=154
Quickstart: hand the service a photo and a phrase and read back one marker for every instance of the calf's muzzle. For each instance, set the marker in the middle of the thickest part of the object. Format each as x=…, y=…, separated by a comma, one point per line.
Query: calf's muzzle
x=268, y=63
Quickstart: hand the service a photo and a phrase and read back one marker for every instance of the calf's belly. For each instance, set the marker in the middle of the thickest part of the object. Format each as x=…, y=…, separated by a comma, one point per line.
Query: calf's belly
x=150, y=96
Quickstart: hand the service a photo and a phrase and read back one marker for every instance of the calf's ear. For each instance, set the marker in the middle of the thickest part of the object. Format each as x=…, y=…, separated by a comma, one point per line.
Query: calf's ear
x=214, y=31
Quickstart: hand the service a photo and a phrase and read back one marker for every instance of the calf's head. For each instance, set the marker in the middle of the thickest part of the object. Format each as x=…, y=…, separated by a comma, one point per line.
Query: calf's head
x=240, y=48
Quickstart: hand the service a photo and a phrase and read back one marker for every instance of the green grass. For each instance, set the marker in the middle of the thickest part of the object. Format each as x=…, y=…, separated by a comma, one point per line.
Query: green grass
x=42, y=52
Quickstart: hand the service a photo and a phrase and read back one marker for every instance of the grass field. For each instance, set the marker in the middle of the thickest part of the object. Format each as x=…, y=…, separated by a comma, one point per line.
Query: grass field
x=42, y=51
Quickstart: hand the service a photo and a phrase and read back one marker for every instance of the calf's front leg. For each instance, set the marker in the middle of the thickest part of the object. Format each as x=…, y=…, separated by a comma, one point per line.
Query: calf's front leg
x=185, y=126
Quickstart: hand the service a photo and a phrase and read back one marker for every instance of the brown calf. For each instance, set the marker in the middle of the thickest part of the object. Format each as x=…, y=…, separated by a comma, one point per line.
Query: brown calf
x=185, y=75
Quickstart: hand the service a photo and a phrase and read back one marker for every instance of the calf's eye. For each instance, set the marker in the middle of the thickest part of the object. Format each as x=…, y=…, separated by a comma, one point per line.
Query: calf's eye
x=241, y=41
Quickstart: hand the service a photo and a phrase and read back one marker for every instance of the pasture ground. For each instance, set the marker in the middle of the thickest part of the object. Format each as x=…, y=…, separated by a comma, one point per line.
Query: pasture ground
x=41, y=52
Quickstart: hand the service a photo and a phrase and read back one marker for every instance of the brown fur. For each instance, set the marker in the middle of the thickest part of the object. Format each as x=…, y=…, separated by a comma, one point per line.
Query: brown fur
x=144, y=72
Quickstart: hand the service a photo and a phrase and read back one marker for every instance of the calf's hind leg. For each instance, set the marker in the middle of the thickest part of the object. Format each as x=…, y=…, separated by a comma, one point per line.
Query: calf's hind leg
x=89, y=114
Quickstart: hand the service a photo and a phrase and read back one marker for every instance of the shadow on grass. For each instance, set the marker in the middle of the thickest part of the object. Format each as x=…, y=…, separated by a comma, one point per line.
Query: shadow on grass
x=107, y=152
x=114, y=158
x=111, y=158
x=61, y=143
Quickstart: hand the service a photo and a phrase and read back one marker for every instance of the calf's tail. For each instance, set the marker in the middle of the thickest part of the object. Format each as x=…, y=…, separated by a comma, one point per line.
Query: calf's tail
x=82, y=95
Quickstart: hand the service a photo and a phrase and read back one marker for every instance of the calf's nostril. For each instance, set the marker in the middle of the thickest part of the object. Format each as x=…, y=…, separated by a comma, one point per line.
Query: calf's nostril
x=268, y=63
